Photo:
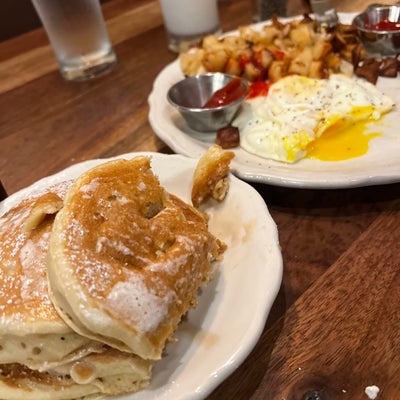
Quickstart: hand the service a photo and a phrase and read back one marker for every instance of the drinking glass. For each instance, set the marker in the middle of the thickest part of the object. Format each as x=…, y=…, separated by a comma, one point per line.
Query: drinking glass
x=188, y=21
x=78, y=35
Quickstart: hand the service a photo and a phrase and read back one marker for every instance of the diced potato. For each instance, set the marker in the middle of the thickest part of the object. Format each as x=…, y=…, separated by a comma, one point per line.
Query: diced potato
x=264, y=58
x=280, y=43
x=301, y=64
x=268, y=34
x=302, y=36
x=252, y=72
x=234, y=45
x=321, y=49
x=299, y=67
x=233, y=67
x=317, y=71
x=249, y=34
x=332, y=62
x=277, y=70
x=215, y=61
x=212, y=43
x=191, y=62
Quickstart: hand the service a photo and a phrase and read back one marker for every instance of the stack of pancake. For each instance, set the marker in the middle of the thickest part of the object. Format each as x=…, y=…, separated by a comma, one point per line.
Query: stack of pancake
x=95, y=276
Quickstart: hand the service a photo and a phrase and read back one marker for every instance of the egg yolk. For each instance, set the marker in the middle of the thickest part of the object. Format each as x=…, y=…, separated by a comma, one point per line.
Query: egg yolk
x=342, y=142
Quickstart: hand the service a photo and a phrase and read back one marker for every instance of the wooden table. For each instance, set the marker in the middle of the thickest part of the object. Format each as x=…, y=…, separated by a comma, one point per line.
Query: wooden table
x=334, y=327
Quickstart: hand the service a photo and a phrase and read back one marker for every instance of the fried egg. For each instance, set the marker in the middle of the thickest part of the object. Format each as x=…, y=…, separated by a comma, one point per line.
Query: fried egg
x=298, y=110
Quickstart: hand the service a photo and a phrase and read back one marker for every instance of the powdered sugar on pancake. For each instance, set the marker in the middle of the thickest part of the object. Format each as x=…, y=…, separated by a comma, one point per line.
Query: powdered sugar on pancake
x=138, y=305
x=89, y=188
x=119, y=246
x=32, y=258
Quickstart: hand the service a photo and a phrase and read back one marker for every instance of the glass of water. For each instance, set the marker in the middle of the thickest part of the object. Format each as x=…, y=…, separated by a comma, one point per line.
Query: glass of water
x=79, y=37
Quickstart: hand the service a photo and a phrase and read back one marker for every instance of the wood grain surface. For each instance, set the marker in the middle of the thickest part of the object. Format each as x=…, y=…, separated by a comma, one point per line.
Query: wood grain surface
x=339, y=330
x=333, y=329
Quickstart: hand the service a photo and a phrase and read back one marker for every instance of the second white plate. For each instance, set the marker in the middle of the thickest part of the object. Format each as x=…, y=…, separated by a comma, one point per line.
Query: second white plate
x=379, y=166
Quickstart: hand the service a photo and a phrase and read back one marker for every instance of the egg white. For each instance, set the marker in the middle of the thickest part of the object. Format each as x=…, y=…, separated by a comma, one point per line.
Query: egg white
x=298, y=110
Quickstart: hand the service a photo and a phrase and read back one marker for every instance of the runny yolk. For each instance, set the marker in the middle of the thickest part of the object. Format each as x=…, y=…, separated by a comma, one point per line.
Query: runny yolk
x=337, y=144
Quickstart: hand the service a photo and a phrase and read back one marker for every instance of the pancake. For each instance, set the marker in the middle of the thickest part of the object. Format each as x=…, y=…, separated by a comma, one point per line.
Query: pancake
x=126, y=259
x=41, y=357
x=24, y=235
x=110, y=372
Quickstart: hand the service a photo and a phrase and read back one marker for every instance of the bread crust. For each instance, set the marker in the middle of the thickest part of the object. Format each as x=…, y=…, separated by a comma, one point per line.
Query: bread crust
x=210, y=177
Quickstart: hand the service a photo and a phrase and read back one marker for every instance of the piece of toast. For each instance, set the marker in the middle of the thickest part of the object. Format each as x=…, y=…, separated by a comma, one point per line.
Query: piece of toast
x=210, y=177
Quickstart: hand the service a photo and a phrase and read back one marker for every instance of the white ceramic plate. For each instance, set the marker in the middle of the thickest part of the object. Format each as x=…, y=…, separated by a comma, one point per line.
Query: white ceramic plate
x=380, y=165
x=217, y=336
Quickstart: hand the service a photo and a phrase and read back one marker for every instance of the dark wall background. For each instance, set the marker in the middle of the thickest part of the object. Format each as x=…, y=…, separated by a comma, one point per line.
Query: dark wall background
x=17, y=17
